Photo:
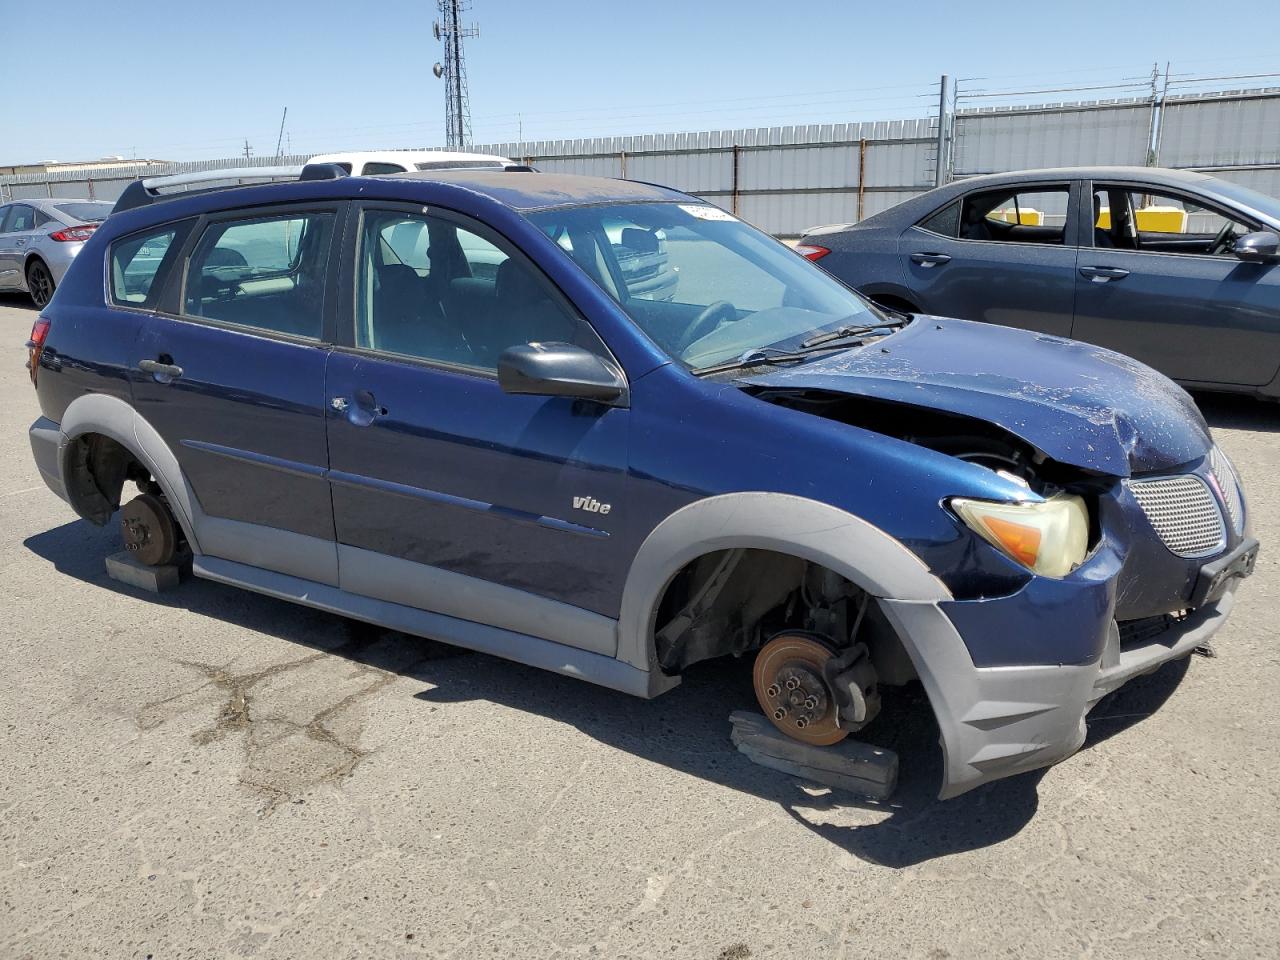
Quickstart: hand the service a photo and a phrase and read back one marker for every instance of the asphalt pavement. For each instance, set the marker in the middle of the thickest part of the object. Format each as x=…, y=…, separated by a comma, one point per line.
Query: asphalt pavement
x=211, y=773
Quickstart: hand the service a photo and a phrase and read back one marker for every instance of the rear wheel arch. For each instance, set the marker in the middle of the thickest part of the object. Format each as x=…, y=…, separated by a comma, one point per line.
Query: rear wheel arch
x=101, y=432
x=811, y=531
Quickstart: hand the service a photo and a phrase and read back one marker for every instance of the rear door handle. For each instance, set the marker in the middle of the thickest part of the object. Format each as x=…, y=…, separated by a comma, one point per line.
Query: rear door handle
x=1103, y=274
x=362, y=410
x=162, y=372
x=929, y=259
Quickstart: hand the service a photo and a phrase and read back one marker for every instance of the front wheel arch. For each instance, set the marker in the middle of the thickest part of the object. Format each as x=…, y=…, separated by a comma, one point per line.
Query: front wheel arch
x=819, y=533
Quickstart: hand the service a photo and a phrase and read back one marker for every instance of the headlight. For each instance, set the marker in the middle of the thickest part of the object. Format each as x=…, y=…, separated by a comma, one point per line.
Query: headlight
x=1050, y=538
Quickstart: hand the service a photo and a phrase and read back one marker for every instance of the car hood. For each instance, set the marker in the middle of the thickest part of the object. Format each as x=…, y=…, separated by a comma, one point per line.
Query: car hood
x=1077, y=404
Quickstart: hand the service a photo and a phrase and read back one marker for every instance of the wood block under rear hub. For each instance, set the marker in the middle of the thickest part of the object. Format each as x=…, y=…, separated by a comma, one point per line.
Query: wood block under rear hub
x=848, y=765
x=126, y=568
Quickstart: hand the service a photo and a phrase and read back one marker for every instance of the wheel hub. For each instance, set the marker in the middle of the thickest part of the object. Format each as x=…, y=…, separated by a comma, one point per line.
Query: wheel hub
x=148, y=530
x=790, y=688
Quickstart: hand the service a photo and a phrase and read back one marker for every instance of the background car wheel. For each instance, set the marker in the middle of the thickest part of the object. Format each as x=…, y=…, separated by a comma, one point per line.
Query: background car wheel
x=39, y=283
x=895, y=303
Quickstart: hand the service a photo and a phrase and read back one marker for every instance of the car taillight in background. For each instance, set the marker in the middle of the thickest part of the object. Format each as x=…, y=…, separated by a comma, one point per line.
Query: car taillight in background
x=35, y=346
x=73, y=234
x=811, y=251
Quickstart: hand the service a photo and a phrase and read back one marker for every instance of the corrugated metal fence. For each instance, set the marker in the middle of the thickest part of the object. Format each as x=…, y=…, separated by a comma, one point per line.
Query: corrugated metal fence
x=785, y=179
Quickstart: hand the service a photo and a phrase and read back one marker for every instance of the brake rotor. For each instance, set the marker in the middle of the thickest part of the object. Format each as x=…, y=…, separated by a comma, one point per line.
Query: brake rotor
x=148, y=530
x=792, y=692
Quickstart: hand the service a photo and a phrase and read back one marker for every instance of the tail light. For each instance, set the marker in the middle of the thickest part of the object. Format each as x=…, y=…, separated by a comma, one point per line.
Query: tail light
x=811, y=251
x=35, y=346
x=73, y=234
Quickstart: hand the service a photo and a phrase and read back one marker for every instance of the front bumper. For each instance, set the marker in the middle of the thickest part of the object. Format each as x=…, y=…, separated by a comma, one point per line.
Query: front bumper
x=1003, y=720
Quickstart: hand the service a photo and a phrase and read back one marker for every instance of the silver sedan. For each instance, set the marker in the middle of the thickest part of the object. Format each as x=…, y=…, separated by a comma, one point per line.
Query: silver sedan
x=40, y=238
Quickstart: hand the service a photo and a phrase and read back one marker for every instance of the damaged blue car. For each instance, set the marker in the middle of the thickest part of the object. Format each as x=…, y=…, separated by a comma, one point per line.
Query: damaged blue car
x=442, y=403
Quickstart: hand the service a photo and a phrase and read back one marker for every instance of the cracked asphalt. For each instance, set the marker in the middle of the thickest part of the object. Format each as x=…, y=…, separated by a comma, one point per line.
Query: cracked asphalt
x=211, y=773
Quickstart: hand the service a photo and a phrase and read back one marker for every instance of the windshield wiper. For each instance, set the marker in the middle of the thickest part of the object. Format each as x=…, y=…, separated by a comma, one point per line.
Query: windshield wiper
x=756, y=357
x=846, y=332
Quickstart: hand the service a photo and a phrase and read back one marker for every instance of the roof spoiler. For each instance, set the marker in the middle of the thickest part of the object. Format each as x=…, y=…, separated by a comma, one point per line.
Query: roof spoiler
x=150, y=190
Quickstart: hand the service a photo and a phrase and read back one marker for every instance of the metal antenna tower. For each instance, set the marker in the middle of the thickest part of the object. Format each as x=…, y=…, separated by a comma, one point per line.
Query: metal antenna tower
x=449, y=30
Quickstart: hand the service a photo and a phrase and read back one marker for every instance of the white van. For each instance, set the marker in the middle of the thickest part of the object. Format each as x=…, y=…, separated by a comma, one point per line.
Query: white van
x=372, y=163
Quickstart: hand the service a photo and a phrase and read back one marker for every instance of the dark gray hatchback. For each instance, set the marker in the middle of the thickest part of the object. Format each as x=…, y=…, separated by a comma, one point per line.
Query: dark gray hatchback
x=1177, y=269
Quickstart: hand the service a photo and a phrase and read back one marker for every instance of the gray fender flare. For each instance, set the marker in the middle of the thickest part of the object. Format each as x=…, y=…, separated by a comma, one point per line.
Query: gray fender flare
x=115, y=418
x=818, y=532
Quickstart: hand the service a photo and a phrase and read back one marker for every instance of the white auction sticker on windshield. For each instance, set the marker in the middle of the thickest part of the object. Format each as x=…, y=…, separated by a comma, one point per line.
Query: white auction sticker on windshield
x=707, y=212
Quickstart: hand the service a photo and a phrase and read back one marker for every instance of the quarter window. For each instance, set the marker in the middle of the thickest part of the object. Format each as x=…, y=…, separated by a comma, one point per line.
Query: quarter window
x=945, y=221
x=135, y=264
x=267, y=273
x=430, y=289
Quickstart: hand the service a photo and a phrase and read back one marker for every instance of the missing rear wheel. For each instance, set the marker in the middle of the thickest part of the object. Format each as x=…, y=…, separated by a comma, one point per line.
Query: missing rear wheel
x=149, y=531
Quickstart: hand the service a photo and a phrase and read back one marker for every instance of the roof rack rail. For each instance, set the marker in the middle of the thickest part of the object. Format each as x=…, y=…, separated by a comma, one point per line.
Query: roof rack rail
x=141, y=193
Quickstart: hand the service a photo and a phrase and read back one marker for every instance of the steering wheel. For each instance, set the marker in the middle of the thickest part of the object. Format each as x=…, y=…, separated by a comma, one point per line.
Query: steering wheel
x=707, y=320
x=1220, y=242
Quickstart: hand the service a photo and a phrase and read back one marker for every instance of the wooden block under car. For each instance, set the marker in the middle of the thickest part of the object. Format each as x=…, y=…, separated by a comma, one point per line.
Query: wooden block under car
x=848, y=765
x=126, y=568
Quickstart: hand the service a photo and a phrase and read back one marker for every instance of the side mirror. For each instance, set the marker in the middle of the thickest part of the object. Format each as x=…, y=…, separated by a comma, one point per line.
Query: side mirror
x=1259, y=247
x=559, y=370
x=641, y=241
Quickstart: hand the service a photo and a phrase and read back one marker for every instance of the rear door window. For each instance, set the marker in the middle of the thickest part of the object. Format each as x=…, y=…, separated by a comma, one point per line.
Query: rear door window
x=20, y=217
x=267, y=273
x=1008, y=215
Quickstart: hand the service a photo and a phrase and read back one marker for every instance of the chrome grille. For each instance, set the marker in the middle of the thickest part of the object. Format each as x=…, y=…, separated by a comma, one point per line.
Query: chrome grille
x=1224, y=471
x=1184, y=513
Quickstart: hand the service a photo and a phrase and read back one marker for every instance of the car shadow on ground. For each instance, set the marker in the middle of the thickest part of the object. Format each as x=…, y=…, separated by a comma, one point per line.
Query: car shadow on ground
x=1236, y=412
x=686, y=729
x=11, y=298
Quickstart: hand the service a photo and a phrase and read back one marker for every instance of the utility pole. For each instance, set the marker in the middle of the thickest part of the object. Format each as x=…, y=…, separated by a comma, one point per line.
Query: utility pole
x=1159, y=125
x=248, y=150
x=280, y=138
x=940, y=167
x=449, y=30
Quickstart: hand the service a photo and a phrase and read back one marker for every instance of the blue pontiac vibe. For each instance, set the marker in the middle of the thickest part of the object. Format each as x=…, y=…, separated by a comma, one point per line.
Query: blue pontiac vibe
x=607, y=429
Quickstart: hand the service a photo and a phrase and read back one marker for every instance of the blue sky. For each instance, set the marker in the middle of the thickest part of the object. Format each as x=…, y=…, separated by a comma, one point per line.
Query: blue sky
x=188, y=80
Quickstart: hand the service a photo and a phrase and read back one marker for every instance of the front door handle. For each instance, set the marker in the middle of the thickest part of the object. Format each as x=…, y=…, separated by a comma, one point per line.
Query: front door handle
x=929, y=259
x=1103, y=274
x=161, y=370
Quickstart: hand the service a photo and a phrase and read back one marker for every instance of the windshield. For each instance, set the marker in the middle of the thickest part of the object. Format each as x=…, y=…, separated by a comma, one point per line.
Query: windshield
x=706, y=287
x=90, y=211
x=1266, y=205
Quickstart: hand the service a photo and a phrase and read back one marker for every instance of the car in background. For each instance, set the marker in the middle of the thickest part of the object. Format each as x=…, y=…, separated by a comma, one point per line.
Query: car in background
x=1178, y=269
x=40, y=238
x=380, y=162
